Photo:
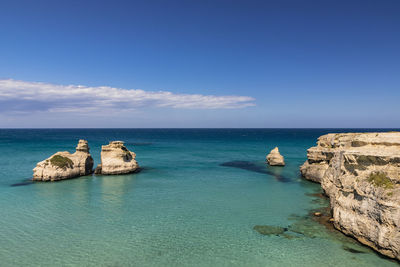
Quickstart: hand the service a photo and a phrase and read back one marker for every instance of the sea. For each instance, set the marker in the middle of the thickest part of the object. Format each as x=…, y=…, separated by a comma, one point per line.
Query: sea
x=198, y=200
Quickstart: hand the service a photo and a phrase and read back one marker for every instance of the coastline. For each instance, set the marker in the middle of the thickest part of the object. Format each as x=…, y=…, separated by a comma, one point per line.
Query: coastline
x=359, y=173
x=184, y=207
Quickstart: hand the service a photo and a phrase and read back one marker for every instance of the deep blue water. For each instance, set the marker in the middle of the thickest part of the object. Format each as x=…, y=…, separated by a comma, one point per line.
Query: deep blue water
x=195, y=203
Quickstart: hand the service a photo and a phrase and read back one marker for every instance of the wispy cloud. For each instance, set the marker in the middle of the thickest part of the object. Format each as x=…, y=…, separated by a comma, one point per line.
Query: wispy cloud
x=21, y=96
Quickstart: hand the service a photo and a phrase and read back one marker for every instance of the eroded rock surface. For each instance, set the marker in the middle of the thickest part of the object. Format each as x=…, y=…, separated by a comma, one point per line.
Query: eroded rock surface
x=64, y=165
x=274, y=158
x=360, y=173
x=116, y=159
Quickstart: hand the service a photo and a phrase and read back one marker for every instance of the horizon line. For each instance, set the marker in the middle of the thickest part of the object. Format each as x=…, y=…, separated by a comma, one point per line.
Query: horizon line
x=194, y=128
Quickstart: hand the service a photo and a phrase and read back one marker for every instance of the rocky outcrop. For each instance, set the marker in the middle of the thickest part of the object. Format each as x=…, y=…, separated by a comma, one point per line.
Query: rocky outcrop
x=64, y=165
x=116, y=159
x=360, y=173
x=274, y=158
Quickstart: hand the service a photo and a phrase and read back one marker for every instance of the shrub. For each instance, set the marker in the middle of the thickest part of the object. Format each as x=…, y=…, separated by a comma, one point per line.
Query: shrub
x=380, y=179
x=61, y=162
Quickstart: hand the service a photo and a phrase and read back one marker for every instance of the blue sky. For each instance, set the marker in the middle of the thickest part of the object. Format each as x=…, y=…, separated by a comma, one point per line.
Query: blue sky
x=200, y=63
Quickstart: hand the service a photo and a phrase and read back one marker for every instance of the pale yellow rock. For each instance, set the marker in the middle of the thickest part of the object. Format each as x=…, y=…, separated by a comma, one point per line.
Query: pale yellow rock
x=64, y=165
x=116, y=159
x=274, y=158
x=360, y=173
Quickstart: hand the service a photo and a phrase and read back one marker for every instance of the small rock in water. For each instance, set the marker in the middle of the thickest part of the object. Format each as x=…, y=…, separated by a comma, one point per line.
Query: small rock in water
x=274, y=158
x=117, y=159
x=318, y=214
x=98, y=169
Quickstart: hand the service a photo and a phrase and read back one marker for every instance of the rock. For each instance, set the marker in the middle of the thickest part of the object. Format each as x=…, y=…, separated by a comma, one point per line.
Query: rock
x=360, y=173
x=117, y=159
x=274, y=158
x=315, y=172
x=318, y=214
x=269, y=229
x=64, y=165
x=98, y=169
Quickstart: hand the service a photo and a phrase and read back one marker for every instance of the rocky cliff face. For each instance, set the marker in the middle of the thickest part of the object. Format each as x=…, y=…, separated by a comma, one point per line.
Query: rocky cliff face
x=64, y=165
x=360, y=173
x=274, y=158
x=116, y=159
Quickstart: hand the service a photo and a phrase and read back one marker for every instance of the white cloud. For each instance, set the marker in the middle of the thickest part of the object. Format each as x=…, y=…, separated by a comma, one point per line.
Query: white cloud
x=21, y=96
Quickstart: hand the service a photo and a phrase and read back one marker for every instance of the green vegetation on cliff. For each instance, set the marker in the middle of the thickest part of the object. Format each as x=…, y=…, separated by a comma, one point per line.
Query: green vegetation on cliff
x=381, y=180
x=60, y=161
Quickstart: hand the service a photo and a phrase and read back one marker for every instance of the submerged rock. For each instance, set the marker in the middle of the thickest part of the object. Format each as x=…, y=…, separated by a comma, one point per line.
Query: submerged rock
x=277, y=231
x=360, y=173
x=269, y=229
x=274, y=158
x=116, y=159
x=64, y=165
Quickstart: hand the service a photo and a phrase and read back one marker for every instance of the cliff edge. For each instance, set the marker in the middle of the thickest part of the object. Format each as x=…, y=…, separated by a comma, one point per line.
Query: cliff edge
x=360, y=173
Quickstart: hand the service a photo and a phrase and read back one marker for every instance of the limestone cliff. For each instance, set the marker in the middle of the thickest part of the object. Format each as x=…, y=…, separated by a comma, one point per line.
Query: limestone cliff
x=116, y=159
x=64, y=165
x=360, y=173
x=274, y=158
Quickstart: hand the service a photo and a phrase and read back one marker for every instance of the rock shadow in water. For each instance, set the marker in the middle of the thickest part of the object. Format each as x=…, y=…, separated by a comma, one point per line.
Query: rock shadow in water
x=23, y=183
x=251, y=166
x=352, y=250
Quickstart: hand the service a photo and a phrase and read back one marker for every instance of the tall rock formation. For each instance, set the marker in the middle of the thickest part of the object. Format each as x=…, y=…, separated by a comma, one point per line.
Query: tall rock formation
x=64, y=165
x=274, y=158
x=360, y=173
x=116, y=159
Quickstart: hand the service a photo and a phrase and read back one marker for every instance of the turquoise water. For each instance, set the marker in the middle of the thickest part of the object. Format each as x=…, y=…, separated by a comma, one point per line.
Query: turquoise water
x=195, y=203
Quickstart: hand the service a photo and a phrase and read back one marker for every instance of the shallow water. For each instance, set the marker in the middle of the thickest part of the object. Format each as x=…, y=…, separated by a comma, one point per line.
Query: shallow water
x=195, y=203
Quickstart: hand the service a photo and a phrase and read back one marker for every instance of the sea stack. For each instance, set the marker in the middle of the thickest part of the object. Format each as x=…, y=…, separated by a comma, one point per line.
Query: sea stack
x=64, y=165
x=116, y=159
x=360, y=173
x=274, y=158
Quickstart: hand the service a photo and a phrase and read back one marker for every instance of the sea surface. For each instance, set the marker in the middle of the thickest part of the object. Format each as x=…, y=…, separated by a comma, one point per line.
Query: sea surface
x=195, y=202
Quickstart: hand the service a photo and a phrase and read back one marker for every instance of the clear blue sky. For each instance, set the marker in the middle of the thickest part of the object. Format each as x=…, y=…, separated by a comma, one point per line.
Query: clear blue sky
x=286, y=63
